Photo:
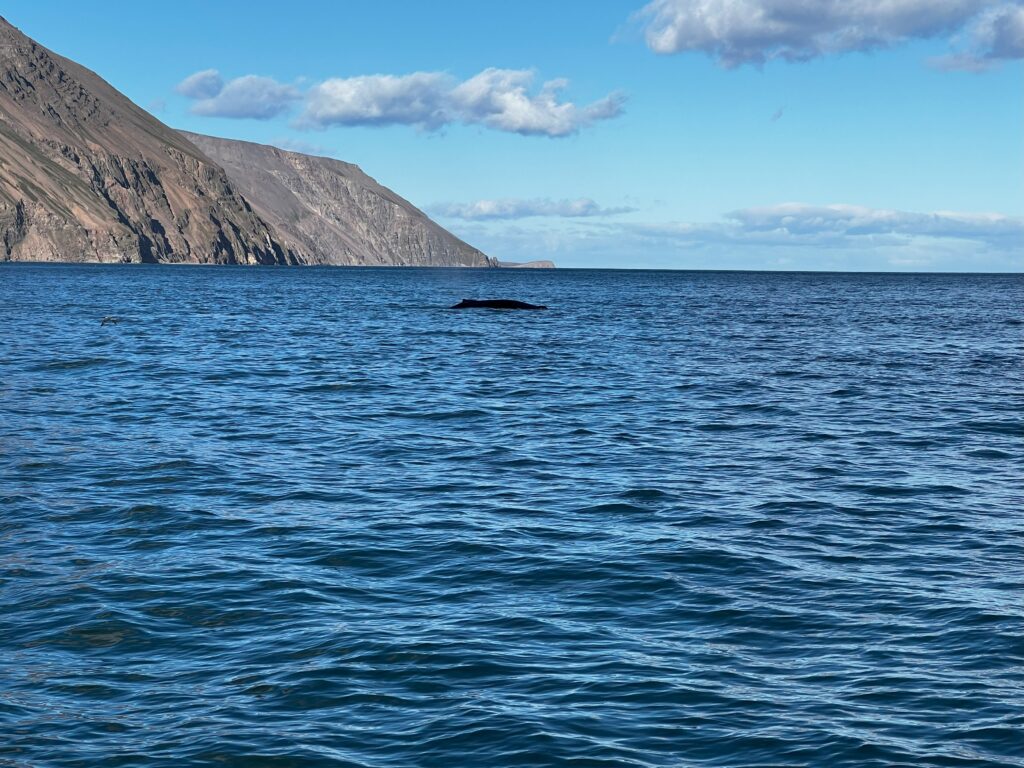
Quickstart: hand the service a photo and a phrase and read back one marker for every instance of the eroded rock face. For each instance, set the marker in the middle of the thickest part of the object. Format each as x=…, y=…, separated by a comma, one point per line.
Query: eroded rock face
x=332, y=212
x=85, y=175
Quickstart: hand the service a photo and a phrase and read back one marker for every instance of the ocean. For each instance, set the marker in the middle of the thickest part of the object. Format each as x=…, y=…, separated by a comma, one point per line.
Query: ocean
x=312, y=517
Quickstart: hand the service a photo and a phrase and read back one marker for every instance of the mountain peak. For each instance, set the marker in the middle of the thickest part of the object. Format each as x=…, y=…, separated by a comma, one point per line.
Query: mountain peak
x=6, y=28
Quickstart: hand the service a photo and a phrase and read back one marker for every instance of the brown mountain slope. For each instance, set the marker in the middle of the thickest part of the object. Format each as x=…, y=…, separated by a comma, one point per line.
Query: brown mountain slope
x=333, y=212
x=85, y=175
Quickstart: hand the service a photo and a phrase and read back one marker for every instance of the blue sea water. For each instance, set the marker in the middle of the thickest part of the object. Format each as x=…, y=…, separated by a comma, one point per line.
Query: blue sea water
x=310, y=517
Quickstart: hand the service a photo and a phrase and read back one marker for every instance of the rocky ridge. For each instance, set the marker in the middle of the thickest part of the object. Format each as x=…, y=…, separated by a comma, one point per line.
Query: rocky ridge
x=333, y=212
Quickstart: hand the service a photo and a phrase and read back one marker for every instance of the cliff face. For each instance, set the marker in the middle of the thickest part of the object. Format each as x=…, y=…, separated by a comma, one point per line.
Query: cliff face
x=85, y=175
x=332, y=212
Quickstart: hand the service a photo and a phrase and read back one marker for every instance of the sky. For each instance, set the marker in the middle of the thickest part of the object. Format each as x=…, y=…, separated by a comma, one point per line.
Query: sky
x=669, y=134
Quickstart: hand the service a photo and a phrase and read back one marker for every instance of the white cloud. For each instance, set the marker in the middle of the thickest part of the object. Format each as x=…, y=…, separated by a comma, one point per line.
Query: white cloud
x=481, y=210
x=994, y=36
x=250, y=96
x=418, y=99
x=500, y=99
x=202, y=85
x=737, y=32
x=1000, y=33
x=496, y=98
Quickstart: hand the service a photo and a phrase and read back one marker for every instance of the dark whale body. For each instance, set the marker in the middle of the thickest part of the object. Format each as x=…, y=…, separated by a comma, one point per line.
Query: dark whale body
x=495, y=304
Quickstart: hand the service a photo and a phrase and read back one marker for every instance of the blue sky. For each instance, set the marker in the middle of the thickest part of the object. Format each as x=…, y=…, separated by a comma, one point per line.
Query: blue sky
x=747, y=134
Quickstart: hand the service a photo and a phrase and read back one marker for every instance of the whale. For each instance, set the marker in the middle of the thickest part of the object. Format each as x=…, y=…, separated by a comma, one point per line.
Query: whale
x=495, y=304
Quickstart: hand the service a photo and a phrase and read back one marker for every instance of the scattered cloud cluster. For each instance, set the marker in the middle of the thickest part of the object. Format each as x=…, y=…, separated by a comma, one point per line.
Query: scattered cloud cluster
x=790, y=235
x=798, y=225
x=798, y=220
x=500, y=99
x=737, y=32
x=734, y=32
x=483, y=210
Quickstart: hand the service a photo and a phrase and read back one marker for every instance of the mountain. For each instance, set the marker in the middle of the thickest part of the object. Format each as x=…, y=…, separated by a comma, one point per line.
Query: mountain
x=86, y=175
x=332, y=211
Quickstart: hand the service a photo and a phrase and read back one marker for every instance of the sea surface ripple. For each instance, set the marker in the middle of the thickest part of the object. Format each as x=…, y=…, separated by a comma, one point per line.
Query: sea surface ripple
x=310, y=517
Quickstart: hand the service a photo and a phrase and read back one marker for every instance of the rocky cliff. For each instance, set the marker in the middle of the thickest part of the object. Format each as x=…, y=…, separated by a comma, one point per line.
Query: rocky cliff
x=333, y=212
x=86, y=175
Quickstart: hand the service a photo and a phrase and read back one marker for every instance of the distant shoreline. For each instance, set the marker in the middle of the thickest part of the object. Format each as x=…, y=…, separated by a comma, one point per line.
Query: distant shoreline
x=538, y=264
x=481, y=268
x=667, y=270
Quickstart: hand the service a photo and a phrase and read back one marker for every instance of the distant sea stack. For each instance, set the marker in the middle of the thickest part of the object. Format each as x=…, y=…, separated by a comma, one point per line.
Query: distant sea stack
x=88, y=176
x=332, y=212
